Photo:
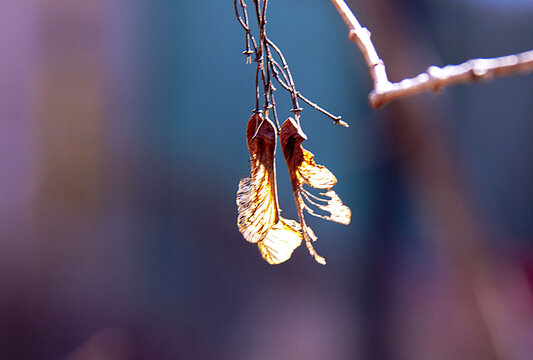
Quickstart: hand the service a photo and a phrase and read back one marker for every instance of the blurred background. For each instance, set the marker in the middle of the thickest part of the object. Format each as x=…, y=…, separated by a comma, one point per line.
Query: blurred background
x=122, y=143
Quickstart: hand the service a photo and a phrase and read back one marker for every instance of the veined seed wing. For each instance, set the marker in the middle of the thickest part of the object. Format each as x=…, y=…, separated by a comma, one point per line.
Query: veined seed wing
x=259, y=220
x=304, y=171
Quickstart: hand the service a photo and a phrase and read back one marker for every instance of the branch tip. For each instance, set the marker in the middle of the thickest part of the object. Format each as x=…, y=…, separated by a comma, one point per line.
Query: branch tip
x=435, y=78
x=343, y=123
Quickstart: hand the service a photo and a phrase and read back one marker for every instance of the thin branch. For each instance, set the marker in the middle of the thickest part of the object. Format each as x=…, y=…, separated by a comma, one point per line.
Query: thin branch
x=336, y=119
x=245, y=24
x=287, y=75
x=274, y=110
x=267, y=68
x=277, y=70
x=435, y=78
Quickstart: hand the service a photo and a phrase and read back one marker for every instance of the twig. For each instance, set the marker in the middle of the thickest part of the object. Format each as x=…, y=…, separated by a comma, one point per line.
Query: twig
x=287, y=75
x=288, y=84
x=435, y=78
x=267, y=68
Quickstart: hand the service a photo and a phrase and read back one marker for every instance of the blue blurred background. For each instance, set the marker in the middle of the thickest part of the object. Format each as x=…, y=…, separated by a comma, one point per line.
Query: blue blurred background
x=122, y=143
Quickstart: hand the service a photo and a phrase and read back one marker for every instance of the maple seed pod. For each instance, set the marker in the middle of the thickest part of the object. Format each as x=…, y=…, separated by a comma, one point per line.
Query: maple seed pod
x=259, y=219
x=304, y=171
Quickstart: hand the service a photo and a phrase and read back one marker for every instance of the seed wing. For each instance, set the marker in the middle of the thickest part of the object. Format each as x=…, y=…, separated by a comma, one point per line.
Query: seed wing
x=259, y=219
x=303, y=170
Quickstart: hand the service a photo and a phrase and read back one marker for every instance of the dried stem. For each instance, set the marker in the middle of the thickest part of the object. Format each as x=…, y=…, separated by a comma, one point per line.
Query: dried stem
x=435, y=78
x=268, y=67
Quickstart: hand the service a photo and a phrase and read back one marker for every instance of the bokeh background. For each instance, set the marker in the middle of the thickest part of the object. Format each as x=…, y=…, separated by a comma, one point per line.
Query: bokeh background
x=122, y=143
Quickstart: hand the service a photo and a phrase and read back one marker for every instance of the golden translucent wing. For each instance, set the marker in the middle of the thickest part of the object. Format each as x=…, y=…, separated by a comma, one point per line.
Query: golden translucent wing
x=257, y=202
x=312, y=174
x=280, y=241
x=304, y=171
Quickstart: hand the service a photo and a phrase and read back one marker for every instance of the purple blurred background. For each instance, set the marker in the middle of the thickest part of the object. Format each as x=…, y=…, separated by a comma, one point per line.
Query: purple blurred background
x=122, y=143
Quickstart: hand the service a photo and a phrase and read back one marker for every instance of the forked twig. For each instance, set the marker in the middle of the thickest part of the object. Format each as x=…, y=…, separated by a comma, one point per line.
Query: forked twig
x=434, y=78
x=288, y=84
x=267, y=67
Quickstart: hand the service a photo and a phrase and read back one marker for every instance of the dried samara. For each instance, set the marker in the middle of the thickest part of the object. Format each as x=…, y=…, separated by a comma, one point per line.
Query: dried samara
x=259, y=218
